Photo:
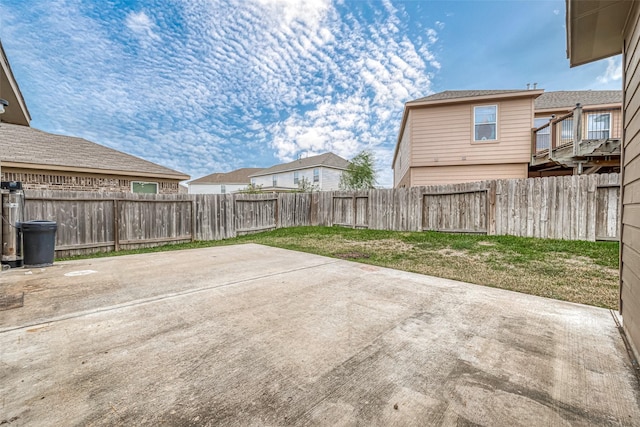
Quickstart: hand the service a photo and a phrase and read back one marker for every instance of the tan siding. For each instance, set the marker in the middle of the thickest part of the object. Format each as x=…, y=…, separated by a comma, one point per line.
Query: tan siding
x=470, y=173
x=630, y=228
x=405, y=181
x=401, y=166
x=443, y=135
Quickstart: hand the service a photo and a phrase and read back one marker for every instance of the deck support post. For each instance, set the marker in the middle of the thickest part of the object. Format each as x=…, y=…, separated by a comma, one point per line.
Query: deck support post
x=577, y=129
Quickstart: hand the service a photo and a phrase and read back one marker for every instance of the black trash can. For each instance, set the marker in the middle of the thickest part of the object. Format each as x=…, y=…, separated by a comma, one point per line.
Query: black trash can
x=38, y=242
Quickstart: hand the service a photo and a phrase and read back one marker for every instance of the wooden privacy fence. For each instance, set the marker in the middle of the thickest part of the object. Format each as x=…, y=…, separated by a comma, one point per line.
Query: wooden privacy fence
x=574, y=207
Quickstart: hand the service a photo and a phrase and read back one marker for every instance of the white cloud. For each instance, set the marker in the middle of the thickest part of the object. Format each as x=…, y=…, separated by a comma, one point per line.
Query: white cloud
x=240, y=83
x=613, y=71
x=142, y=26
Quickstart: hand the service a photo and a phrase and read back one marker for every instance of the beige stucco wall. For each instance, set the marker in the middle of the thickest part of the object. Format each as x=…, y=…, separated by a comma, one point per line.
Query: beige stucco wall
x=630, y=232
x=466, y=173
x=56, y=180
x=443, y=135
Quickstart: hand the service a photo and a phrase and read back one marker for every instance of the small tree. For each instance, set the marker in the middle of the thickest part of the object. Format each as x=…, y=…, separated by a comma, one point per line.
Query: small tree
x=360, y=174
x=252, y=189
x=305, y=186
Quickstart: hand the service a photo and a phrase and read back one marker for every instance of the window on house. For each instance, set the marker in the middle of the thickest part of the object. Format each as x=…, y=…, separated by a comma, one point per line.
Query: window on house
x=598, y=126
x=223, y=188
x=296, y=177
x=144, y=187
x=543, y=136
x=485, y=120
x=274, y=180
x=316, y=175
x=253, y=181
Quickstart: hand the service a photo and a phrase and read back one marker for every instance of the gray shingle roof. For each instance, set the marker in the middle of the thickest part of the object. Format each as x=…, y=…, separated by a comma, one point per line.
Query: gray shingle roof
x=454, y=94
x=238, y=176
x=24, y=144
x=327, y=159
x=569, y=98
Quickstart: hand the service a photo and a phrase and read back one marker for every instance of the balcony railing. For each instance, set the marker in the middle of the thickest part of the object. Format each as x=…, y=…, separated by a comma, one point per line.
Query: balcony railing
x=571, y=130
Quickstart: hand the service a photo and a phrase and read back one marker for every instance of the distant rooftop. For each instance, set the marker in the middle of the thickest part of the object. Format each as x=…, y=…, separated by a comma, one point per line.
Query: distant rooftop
x=569, y=98
x=327, y=159
x=238, y=176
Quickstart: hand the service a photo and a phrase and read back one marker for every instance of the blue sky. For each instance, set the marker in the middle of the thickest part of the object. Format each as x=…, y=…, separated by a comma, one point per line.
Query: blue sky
x=205, y=86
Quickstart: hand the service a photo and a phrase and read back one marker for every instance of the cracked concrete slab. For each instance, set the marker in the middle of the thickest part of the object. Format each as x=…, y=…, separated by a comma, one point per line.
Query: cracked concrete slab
x=252, y=335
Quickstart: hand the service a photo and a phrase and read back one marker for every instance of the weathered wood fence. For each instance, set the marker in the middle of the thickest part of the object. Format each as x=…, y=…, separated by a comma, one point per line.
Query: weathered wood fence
x=574, y=208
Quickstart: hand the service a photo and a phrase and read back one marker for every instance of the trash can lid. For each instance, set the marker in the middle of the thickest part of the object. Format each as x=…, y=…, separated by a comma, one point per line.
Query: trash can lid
x=39, y=224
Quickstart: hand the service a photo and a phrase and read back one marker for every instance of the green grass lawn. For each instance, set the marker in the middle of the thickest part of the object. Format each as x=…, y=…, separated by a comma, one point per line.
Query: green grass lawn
x=577, y=271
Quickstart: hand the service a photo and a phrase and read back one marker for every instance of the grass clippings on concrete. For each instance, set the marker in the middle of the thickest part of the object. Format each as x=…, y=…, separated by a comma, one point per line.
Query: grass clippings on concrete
x=577, y=271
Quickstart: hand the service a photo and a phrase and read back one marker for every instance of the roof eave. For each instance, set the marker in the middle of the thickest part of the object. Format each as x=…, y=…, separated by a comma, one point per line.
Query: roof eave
x=21, y=115
x=596, y=31
x=403, y=123
x=266, y=172
x=62, y=168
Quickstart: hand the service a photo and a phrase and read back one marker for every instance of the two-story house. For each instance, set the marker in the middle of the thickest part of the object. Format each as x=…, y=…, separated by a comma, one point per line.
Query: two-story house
x=462, y=136
x=320, y=172
x=223, y=183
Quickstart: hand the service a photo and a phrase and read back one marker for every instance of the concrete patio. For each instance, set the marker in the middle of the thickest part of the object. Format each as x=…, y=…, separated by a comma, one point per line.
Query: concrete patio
x=252, y=335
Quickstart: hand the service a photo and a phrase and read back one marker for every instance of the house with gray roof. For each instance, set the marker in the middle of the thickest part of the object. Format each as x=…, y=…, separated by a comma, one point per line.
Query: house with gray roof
x=46, y=161
x=223, y=183
x=321, y=172
x=460, y=136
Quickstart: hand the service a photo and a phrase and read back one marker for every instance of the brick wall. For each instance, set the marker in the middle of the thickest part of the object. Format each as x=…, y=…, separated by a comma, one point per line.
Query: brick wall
x=50, y=180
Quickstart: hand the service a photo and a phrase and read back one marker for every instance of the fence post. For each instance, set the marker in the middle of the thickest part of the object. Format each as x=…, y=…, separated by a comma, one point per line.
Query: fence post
x=276, y=211
x=552, y=136
x=355, y=210
x=116, y=225
x=193, y=219
x=491, y=208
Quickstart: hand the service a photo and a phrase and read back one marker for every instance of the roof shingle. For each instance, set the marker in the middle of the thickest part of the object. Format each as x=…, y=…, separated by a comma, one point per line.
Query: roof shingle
x=24, y=144
x=455, y=94
x=569, y=98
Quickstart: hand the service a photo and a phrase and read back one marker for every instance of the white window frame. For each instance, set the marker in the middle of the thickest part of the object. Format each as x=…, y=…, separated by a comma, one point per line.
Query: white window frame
x=253, y=181
x=316, y=175
x=274, y=181
x=589, y=122
x=296, y=177
x=145, y=183
x=223, y=189
x=495, y=124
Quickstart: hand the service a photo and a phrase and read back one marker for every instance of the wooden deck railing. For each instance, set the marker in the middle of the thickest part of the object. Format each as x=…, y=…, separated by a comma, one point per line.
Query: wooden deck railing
x=582, y=124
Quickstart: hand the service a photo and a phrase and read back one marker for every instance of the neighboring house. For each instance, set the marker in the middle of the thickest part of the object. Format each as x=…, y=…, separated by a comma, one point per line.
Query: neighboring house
x=223, y=183
x=597, y=30
x=461, y=136
x=46, y=161
x=323, y=172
